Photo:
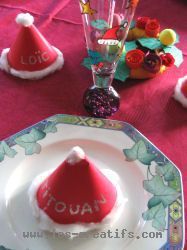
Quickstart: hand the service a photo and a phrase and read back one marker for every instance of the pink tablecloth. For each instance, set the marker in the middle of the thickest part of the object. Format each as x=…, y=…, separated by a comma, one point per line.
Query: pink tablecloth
x=147, y=105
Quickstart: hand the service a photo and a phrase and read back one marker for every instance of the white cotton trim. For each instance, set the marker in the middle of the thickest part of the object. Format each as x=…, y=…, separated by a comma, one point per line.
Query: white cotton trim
x=47, y=224
x=25, y=19
x=32, y=75
x=76, y=155
x=108, y=41
x=178, y=95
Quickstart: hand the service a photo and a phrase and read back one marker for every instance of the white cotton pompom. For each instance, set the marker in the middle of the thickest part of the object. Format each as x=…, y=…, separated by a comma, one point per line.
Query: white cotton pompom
x=25, y=19
x=76, y=154
x=178, y=95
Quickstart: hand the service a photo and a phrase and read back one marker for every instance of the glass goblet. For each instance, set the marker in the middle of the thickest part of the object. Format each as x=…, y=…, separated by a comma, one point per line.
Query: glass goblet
x=106, y=24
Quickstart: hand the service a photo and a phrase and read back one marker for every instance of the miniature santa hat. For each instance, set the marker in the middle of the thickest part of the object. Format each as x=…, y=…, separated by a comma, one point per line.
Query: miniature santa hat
x=111, y=37
x=180, y=93
x=30, y=56
x=76, y=192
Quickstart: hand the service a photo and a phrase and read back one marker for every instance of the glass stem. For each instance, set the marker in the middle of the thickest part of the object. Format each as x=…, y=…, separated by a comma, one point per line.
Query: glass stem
x=103, y=80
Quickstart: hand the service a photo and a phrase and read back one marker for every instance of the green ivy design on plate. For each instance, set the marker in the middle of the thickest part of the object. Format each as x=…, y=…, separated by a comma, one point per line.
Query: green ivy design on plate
x=50, y=127
x=6, y=150
x=29, y=141
x=4, y=248
x=160, y=185
x=139, y=152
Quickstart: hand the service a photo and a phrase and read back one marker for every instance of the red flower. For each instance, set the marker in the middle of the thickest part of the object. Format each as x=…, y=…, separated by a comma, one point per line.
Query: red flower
x=134, y=58
x=152, y=28
x=142, y=21
x=167, y=59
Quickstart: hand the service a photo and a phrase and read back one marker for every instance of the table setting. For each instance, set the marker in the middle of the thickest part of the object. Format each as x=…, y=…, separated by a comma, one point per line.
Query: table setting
x=93, y=125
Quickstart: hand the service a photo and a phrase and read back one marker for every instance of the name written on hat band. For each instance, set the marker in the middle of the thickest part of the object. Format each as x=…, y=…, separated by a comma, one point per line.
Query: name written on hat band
x=38, y=57
x=60, y=206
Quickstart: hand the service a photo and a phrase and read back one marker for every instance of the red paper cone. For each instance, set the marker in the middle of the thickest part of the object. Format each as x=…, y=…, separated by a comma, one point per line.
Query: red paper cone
x=30, y=56
x=31, y=51
x=76, y=192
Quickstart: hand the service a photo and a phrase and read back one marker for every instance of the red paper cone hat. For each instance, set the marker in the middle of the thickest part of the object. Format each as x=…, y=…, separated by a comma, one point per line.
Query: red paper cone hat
x=76, y=192
x=30, y=51
x=111, y=37
x=30, y=56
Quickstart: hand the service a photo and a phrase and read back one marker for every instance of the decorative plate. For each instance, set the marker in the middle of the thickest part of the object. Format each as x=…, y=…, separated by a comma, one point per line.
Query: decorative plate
x=154, y=210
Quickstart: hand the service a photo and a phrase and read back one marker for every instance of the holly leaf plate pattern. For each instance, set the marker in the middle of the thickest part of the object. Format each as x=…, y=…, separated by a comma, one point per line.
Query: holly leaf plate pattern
x=5, y=150
x=139, y=152
x=162, y=193
x=164, y=183
x=29, y=141
x=4, y=248
x=168, y=171
x=157, y=214
x=50, y=127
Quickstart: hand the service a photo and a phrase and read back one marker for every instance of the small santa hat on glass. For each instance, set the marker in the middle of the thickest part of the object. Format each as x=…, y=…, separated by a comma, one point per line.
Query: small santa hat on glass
x=30, y=56
x=75, y=192
x=180, y=93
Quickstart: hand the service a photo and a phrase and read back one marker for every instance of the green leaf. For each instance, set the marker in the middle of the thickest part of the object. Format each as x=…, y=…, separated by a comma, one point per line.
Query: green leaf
x=176, y=53
x=99, y=24
x=143, y=156
x=29, y=141
x=122, y=71
x=131, y=154
x=95, y=57
x=139, y=152
x=156, y=186
x=33, y=136
x=2, y=156
x=6, y=150
x=150, y=43
x=167, y=171
x=32, y=148
x=154, y=201
x=130, y=45
x=50, y=128
x=177, y=38
x=87, y=63
x=4, y=248
x=10, y=152
x=158, y=215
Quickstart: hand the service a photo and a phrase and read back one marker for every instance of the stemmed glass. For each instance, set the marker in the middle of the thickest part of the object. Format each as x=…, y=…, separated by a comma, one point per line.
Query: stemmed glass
x=106, y=24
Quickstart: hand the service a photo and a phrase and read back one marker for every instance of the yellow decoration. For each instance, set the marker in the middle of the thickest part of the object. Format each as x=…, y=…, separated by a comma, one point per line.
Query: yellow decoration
x=141, y=73
x=130, y=35
x=86, y=8
x=136, y=33
x=167, y=37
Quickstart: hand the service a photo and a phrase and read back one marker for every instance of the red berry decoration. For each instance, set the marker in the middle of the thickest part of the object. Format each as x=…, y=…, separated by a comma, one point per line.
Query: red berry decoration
x=134, y=58
x=142, y=21
x=152, y=63
x=167, y=59
x=152, y=28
